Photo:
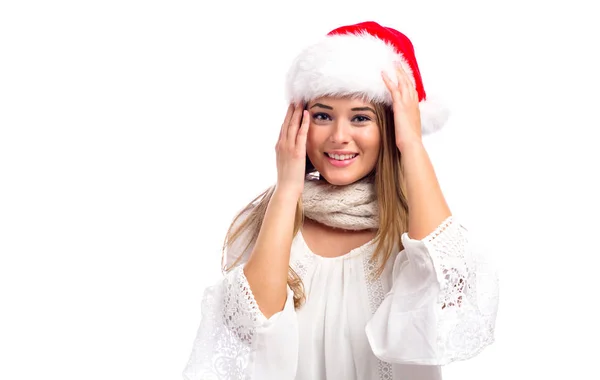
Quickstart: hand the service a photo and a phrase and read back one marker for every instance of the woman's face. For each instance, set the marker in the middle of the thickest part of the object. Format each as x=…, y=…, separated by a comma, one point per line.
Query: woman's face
x=343, y=139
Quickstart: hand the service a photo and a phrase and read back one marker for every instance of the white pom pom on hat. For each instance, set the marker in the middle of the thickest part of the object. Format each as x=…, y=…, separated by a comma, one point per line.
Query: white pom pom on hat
x=349, y=60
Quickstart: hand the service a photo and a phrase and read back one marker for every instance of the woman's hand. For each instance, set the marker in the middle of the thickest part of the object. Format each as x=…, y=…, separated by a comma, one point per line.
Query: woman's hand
x=267, y=269
x=407, y=116
x=291, y=152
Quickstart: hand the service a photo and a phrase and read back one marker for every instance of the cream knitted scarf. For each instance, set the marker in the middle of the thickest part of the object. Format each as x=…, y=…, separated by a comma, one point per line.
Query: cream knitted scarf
x=350, y=207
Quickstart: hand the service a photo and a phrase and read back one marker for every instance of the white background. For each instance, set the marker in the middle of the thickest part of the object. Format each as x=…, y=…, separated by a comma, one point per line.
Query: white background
x=132, y=131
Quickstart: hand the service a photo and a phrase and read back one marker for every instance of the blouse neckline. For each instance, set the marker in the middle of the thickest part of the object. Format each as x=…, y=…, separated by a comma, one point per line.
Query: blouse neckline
x=352, y=253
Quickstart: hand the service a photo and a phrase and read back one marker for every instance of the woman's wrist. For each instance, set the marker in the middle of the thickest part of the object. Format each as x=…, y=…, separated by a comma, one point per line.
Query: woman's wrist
x=285, y=196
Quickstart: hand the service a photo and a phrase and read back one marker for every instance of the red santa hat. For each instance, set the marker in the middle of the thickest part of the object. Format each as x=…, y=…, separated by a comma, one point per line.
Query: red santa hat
x=349, y=61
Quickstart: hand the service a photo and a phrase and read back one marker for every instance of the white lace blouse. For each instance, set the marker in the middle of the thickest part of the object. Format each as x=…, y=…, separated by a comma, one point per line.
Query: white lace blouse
x=435, y=303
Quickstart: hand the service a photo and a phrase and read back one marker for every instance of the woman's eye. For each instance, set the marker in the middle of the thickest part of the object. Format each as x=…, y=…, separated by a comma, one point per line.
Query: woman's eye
x=321, y=116
x=361, y=118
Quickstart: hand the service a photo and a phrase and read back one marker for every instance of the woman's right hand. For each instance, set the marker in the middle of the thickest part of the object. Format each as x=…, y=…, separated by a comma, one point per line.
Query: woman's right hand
x=291, y=152
x=267, y=269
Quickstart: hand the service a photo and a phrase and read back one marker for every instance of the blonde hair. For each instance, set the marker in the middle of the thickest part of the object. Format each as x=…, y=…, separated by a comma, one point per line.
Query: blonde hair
x=391, y=196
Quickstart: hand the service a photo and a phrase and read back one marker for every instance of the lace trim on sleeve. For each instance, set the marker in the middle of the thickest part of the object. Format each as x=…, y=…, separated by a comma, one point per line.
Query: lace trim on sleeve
x=440, y=229
x=223, y=342
x=448, y=245
x=468, y=293
x=241, y=313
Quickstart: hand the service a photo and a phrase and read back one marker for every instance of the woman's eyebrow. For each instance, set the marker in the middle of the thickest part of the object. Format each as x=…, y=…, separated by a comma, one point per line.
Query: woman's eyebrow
x=353, y=109
x=363, y=109
x=322, y=106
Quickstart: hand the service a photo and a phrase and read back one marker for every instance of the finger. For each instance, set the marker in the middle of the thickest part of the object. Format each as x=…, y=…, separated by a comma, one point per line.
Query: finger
x=407, y=87
x=294, y=124
x=303, y=131
x=403, y=82
x=286, y=122
x=391, y=86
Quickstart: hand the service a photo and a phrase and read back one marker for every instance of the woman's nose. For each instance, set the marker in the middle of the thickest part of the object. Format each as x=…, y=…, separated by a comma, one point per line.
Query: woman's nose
x=340, y=133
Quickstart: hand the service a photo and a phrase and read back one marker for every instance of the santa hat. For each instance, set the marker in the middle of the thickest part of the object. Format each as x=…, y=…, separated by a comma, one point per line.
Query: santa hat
x=349, y=61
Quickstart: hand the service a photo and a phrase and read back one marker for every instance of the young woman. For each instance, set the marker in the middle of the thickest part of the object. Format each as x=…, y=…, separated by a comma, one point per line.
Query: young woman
x=351, y=266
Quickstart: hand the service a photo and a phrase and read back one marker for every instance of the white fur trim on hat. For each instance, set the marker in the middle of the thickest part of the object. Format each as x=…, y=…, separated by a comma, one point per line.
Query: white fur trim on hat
x=434, y=115
x=351, y=65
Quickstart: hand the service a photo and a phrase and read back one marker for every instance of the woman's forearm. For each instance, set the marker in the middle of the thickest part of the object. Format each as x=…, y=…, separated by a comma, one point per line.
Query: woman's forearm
x=267, y=267
x=426, y=203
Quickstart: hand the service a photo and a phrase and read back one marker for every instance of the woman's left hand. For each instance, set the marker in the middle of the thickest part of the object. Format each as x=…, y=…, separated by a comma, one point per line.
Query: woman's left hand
x=407, y=116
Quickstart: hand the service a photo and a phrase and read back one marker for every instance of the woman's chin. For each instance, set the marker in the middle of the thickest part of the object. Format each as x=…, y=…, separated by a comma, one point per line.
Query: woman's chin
x=341, y=177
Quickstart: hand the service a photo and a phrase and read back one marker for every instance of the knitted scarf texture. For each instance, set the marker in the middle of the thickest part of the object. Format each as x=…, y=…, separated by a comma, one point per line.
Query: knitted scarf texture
x=349, y=207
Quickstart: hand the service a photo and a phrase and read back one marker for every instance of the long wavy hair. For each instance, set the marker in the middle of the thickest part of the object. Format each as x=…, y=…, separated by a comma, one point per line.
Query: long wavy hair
x=392, y=203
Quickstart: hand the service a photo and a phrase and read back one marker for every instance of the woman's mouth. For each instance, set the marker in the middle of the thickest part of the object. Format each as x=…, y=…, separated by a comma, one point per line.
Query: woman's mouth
x=341, y=160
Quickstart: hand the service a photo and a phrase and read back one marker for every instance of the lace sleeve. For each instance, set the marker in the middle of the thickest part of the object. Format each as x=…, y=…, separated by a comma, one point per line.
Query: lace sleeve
x=236, y=341
x=454, y=268
x=444, y=301
x=468, y=299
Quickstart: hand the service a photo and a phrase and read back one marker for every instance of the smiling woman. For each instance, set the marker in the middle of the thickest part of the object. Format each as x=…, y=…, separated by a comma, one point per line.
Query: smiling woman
x=343, y=139
x=351, y=266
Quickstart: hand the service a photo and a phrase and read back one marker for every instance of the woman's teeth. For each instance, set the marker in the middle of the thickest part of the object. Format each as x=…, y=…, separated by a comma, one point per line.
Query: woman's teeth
x=342, y=157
